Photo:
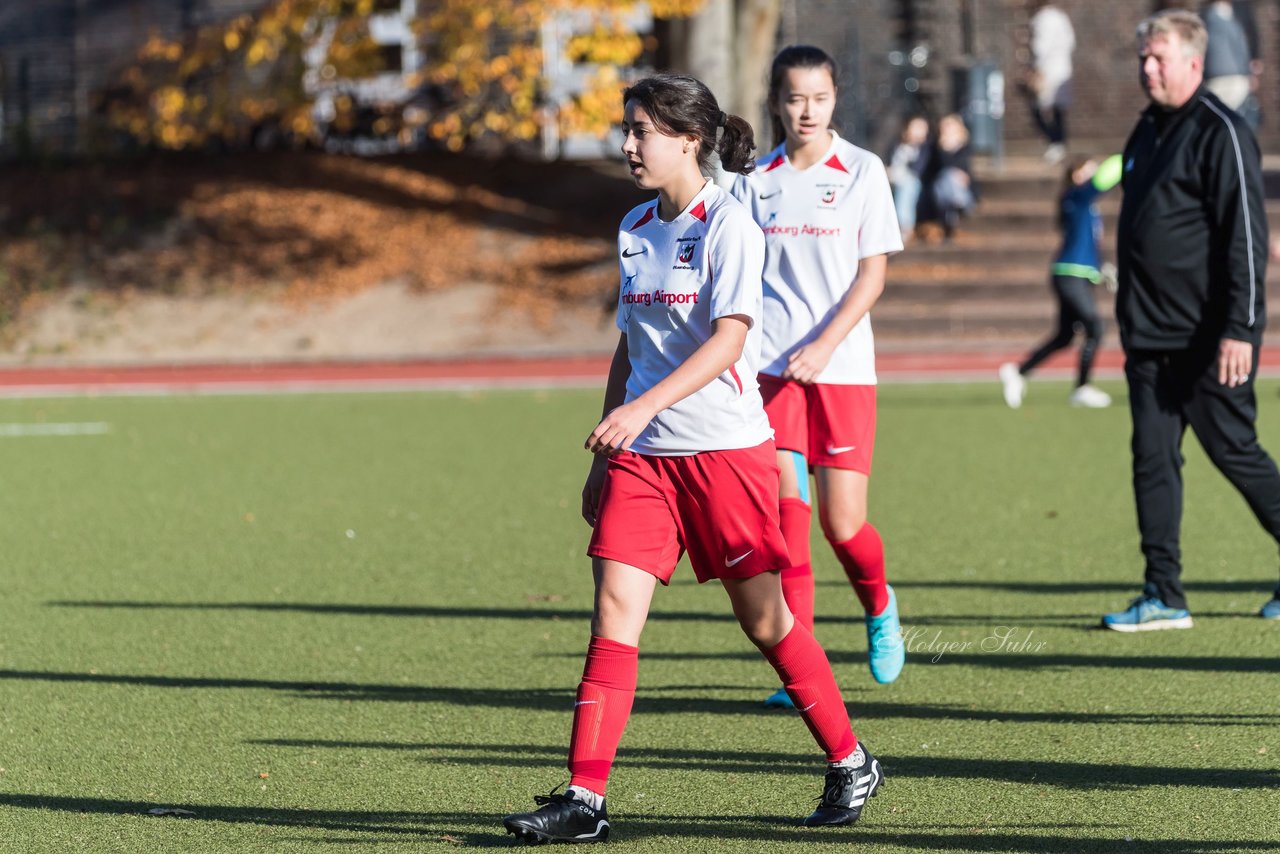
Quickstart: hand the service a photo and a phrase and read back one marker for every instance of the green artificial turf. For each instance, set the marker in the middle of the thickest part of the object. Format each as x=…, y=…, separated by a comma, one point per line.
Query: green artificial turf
x=347, y=623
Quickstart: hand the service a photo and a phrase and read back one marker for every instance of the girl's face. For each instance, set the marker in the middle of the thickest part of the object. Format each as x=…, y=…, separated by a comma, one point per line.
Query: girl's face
x=805, y=101
x=916, y=132
x=654, y=158
x=951, y=133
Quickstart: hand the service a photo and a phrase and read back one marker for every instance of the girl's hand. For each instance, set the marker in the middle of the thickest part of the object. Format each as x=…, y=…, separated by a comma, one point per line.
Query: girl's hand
x=593, y=489
x=807, y=363
x=619, y=429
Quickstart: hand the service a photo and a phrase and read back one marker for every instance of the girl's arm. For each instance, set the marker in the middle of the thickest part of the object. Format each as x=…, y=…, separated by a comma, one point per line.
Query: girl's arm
x=806, y=363
x=620, y=426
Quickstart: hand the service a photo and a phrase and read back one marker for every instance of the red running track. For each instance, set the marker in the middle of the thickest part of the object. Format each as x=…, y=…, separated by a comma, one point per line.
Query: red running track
x=568, y=371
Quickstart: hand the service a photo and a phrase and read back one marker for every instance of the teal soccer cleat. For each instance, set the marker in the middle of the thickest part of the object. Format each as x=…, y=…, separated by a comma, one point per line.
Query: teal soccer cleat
x=779, y=699
x=885, y=648
x=1271, y=610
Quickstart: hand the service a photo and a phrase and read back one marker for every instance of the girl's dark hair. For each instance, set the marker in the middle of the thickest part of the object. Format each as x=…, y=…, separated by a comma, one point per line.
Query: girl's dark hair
x=795, y=56
x=683, y=106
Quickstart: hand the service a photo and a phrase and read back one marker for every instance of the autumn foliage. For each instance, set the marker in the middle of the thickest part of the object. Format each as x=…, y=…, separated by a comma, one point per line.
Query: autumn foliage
x=484, y=67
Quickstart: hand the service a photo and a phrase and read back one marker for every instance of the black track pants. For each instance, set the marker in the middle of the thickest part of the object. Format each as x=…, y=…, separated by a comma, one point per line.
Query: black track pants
x=1167, y=392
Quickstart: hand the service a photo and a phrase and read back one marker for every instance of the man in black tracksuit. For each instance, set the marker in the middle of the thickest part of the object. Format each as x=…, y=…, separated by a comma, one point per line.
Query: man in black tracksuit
x=1191, y=305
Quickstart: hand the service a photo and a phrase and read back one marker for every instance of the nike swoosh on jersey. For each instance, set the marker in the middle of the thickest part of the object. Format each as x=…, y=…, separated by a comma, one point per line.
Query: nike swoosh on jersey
x=770, y=195
x=831, y=449
x=626, y=254
x=736, y=560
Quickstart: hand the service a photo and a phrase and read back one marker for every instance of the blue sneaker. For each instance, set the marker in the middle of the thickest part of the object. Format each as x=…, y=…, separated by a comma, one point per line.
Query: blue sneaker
x=1147, y=613
x=885, y=648
x=779, y=699
x=1271, y=610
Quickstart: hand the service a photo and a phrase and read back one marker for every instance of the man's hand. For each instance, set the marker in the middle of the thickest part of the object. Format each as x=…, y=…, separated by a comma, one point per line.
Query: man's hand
x=1235, y=362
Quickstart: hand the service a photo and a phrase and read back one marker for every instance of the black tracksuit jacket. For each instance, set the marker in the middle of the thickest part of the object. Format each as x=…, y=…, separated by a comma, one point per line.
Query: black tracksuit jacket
x=1193, y=248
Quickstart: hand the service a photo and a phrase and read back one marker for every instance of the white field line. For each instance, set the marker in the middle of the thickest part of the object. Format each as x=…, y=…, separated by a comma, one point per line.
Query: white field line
x=467, y=384
x=268, y=387
x=19, y=430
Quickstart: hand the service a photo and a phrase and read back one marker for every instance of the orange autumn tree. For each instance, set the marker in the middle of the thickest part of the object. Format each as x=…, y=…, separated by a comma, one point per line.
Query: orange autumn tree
x=227, y=82
x=484, y=65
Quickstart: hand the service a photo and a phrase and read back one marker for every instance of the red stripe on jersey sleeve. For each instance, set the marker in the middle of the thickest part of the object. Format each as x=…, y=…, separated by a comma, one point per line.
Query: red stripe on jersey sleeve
x=777, y=161
x=835, y=163
x=648, y=215
x=700, y=211
x=733, y=371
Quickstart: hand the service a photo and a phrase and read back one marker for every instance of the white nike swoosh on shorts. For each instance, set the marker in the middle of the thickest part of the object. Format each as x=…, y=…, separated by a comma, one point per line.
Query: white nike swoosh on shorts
x=833, y=450
x=737, y=560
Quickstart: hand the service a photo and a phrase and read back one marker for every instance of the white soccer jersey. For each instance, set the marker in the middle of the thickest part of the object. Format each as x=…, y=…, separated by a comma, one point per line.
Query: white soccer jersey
x=818, y=224
x=677, y=277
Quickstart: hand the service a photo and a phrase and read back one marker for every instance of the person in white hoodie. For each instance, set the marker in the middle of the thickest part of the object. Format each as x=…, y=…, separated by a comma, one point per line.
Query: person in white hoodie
x=1052, y=42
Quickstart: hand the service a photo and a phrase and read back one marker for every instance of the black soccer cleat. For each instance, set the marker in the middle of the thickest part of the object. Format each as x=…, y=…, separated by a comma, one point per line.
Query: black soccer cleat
x=559, y=818
x=845, y=792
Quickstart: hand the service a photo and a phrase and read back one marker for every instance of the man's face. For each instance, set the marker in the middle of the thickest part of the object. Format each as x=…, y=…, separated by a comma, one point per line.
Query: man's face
x=1169, y=74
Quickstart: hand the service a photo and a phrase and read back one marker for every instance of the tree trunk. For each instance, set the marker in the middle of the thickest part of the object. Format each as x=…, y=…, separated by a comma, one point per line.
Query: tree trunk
x=757, y=34
x=709, y=47
x=728, y=45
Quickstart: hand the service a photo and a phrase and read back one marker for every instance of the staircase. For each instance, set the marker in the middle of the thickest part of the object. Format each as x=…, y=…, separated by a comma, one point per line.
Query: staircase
x=988, y=289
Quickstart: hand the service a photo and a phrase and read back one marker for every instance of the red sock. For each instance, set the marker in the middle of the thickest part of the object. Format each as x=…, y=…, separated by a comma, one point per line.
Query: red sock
x=807, y=676
x=797, y=580
x=863, y=560
x=600, y=715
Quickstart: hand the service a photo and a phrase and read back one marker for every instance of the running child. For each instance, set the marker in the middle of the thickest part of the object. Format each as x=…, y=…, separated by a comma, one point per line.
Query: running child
x=1075, y=272
x=829, y=222
x=684, y=457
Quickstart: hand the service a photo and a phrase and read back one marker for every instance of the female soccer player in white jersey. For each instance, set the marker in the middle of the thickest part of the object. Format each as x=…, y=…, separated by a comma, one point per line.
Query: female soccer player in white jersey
x=827, y=213
x=684, y=460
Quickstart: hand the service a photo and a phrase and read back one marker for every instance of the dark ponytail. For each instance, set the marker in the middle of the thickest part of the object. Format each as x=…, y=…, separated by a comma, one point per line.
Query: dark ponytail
x=683, y=106
x=795, y=56
x=737, y=144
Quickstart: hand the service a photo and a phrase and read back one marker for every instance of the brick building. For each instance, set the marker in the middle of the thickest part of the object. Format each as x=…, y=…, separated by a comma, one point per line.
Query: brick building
x=897, y=57
x=55, y=53
x=879, y=43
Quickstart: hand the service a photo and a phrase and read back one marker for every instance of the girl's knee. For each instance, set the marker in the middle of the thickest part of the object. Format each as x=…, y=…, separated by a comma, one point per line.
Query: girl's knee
x=843, y=527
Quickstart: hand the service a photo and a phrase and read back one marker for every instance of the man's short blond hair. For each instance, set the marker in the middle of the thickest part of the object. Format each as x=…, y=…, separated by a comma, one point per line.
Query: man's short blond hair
x=1187, y=26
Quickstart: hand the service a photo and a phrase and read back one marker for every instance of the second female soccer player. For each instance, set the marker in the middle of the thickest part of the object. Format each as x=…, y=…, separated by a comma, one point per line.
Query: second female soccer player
x=684, y=457
x=829, y=223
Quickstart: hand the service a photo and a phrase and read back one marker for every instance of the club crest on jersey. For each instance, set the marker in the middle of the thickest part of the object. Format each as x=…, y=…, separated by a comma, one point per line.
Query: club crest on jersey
x=686, y=247
x=827, y=194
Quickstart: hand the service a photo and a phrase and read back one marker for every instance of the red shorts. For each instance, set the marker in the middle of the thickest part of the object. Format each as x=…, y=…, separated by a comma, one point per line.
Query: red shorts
x=719, y=506
x=832, y=425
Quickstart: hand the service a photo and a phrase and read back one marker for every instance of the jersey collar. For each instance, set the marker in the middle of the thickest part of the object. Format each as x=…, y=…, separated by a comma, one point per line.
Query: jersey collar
x=829, y=159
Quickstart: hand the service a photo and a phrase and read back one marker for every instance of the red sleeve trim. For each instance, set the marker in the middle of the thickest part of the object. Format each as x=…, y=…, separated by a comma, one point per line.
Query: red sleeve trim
x=648, y=215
